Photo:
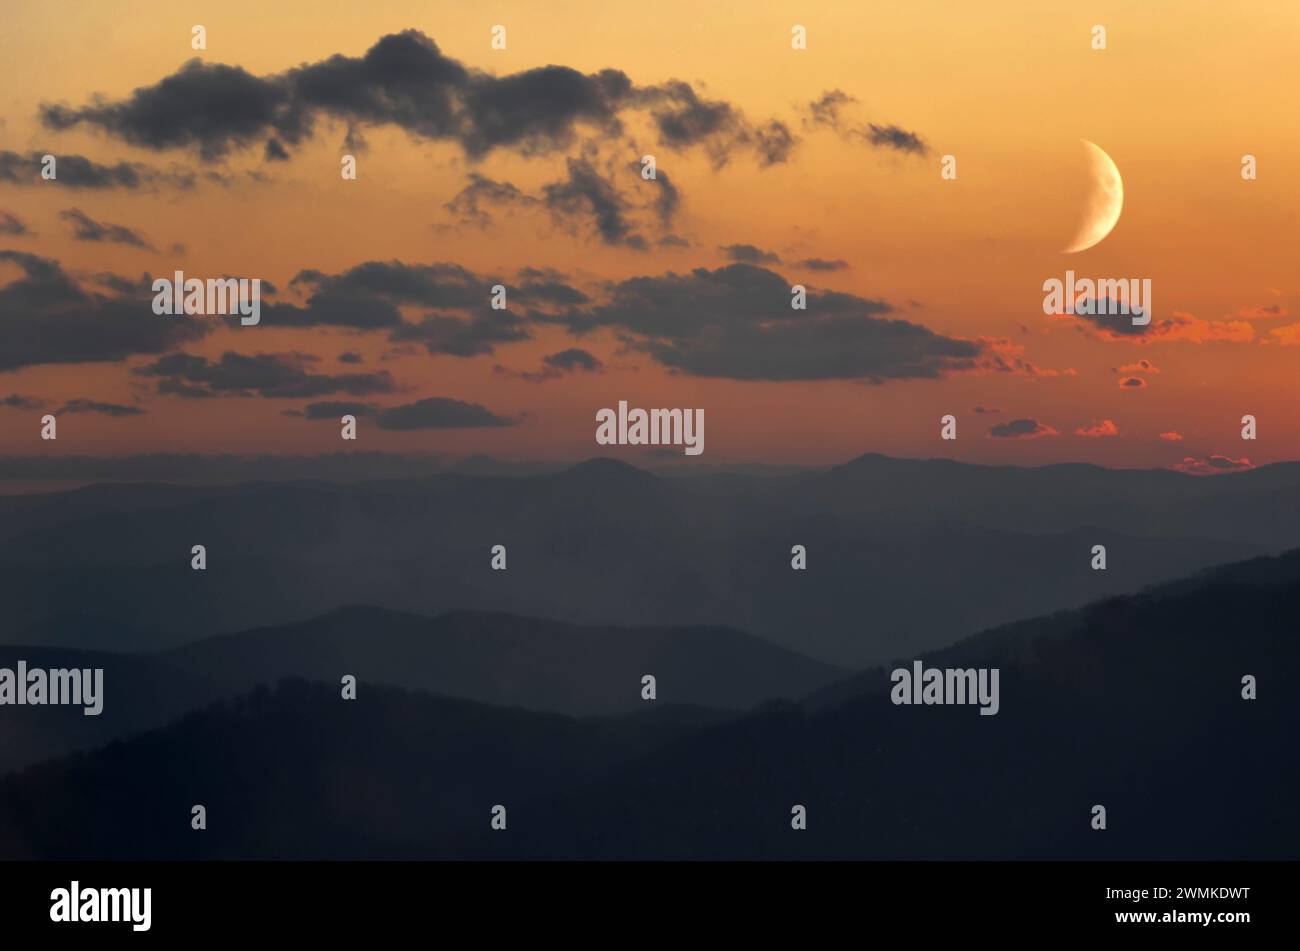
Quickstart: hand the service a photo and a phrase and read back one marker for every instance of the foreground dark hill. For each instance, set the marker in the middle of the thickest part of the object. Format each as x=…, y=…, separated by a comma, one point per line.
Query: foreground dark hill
x=297, y=773
x=139, y=693
x=903, y=555
x=1133, y=703
x=540, y=665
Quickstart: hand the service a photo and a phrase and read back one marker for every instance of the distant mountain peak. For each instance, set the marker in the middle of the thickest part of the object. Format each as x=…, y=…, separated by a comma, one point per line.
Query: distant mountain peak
x=608, y=468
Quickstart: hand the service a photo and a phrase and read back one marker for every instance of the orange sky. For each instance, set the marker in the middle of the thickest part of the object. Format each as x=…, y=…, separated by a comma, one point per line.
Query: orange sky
x=1182, y=92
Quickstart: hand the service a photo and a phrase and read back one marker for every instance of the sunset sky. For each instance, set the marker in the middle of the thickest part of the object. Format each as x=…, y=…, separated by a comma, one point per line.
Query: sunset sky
x=819, y=167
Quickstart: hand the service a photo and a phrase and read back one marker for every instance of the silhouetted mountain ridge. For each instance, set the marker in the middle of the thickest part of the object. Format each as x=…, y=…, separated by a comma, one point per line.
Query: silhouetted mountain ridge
x=504, y=659
x=1134, y=703
x=903, y=555
x=491, y=657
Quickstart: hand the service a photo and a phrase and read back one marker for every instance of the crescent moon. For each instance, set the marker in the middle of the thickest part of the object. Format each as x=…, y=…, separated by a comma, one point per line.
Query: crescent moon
x=1105, y=201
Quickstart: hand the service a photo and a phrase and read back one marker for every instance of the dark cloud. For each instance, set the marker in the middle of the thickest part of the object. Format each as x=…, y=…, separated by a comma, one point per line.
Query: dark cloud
x=463, y=338
x=1132, y=383
x=436, y=412
x=556, y=365
x=76, y=171
x=1118, y=323
x=586, y=194
x=669, y=199
x=828, y=110
x=334, y=410
x=49, y=318
x=355, y=142
x=367, y=297
x=737, y=322
x=685, y=120
x=1027, y=428
x=773, y=141
x=689, y=305
x=405, y=80
x=891, y=136
x=574, y=358
x=209, y=106
x=458, y=319
x=275, y=152
x=549, y=286
x=18, y=401
x=12, y=225
x=986, y=410
x=94, y=406
x=349, y=356
x=472, y=203
x=823, y=264
x=537, y=110
x=119, y=284
x=427, y=285
x=228, y=180
x=585, y=199
x=749, y=254
x=85, y=228
x=272, y=375
x=335, y=308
